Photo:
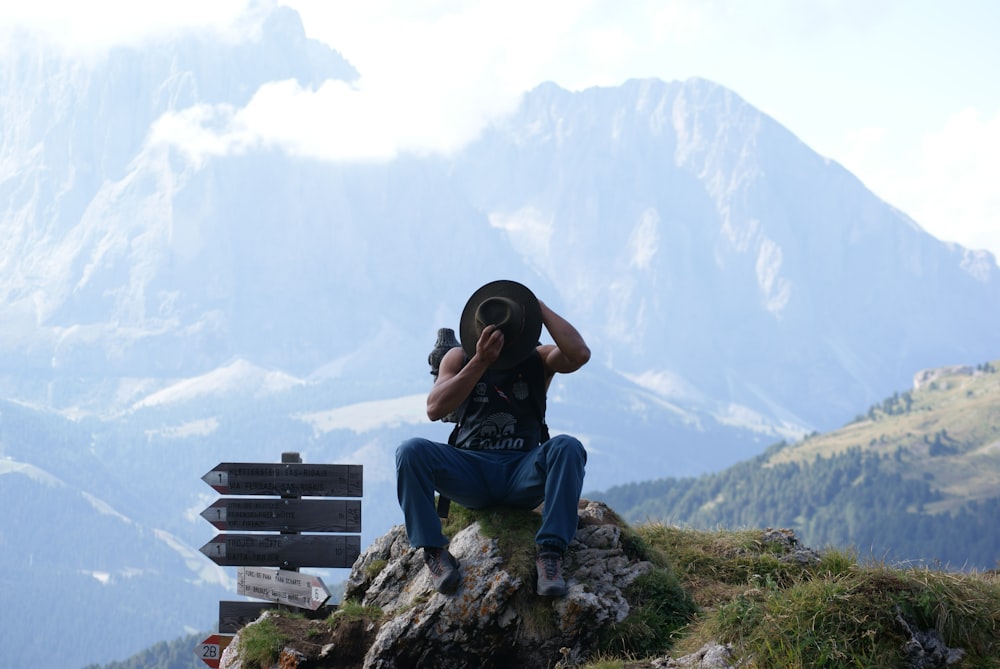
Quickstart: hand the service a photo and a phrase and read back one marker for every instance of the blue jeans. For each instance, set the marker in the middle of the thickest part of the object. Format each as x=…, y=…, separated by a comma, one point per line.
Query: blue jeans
x=552, y=472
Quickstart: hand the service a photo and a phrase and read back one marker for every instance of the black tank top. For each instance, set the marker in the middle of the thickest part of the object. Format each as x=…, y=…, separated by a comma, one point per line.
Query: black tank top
x=506, y=409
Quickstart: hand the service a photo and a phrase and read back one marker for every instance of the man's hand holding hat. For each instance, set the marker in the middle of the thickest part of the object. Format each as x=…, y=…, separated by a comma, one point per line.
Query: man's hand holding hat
x=500, y=326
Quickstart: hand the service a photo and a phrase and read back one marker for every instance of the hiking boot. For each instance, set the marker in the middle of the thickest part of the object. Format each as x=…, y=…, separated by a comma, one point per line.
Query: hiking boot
x=550, y=577
x=444, y=570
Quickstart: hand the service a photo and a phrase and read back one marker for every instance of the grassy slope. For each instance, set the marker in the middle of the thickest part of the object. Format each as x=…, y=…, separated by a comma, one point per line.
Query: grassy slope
x=946, y=432
x=756, y=591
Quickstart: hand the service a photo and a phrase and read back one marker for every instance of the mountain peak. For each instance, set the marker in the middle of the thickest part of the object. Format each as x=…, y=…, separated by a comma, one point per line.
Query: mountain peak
x=237, y=378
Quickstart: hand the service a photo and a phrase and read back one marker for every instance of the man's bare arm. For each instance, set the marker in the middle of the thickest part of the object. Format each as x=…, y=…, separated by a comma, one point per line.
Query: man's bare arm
x=570, y=352
x=455, y=381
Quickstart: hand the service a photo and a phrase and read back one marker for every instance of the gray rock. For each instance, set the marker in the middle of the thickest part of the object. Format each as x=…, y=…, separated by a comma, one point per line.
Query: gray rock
x=709, y=656
x=495, y=618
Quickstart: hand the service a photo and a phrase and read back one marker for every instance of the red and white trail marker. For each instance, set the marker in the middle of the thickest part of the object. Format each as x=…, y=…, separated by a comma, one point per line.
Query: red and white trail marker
x=210, y=650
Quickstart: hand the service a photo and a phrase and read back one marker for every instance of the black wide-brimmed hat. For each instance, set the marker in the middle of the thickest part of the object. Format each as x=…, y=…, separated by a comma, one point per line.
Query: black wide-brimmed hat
x=511, y=307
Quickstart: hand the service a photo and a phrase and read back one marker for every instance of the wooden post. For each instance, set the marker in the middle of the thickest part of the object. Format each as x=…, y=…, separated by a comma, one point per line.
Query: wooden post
x=275, y=505
x=291, y=457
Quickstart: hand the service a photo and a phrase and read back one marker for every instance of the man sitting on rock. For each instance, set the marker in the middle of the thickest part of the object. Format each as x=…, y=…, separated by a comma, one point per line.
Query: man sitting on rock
x=496, y=382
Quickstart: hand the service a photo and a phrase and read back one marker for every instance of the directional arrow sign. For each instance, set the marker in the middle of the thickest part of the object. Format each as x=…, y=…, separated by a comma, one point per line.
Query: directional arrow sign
x=288, y=479
x=285, y=587
x=253, y=514
x=285, y=550
x=210, y=650
x=234, y=616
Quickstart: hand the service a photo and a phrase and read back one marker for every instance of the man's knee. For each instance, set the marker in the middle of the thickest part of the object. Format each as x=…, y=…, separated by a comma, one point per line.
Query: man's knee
x=410, y=449
x=567, y=447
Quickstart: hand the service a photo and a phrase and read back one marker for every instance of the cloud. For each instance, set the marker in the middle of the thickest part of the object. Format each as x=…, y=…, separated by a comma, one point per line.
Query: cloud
x=99, y=24
x=432, y=76
x=678, y=21
x=335, y=122
x=479, y=45
x=861, y=143
x=947, y=184
x=957, y=184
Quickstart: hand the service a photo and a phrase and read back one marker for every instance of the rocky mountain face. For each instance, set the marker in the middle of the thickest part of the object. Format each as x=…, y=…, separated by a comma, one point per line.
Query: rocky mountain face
x=715, y=255
x=703, y=249
x=104, y=269
x=165, y=311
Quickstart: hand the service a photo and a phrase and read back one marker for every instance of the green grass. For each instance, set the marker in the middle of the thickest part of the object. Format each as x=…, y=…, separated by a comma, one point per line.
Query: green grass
x=659, y=609
x=832, y=612
x=861, y=618
x=351, y=609
x=375, y=568
x=261, y=644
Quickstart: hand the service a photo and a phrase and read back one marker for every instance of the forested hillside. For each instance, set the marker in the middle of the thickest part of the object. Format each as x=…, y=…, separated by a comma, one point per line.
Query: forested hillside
x=914, y=479
x=176, y=654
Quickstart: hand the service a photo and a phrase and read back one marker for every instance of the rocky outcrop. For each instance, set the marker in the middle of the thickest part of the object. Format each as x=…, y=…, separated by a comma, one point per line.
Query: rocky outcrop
x=623, y=602
x=710, y=656
x=925, y=377
x=495, y=619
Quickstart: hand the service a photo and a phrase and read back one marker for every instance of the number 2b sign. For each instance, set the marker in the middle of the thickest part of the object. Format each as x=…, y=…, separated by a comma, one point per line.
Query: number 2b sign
x=210, y=650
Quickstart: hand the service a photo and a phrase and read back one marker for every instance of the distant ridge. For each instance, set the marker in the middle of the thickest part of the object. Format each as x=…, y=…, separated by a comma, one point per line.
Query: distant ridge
x=238, y=377
x=913, y=479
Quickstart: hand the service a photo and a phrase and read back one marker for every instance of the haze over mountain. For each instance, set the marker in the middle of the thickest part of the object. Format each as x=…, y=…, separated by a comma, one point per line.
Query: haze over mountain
x=165, y=309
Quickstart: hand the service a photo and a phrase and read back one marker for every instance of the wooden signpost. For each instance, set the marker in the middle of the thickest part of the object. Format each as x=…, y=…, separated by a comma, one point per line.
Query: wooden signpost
x=267, y=544
x=233, y=616
x=287, y=479
x=284, y=515
x=290, y=551
x=283, y=587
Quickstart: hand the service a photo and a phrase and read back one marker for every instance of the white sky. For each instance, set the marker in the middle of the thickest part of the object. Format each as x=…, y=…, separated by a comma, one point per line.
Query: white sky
x=903, y=93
